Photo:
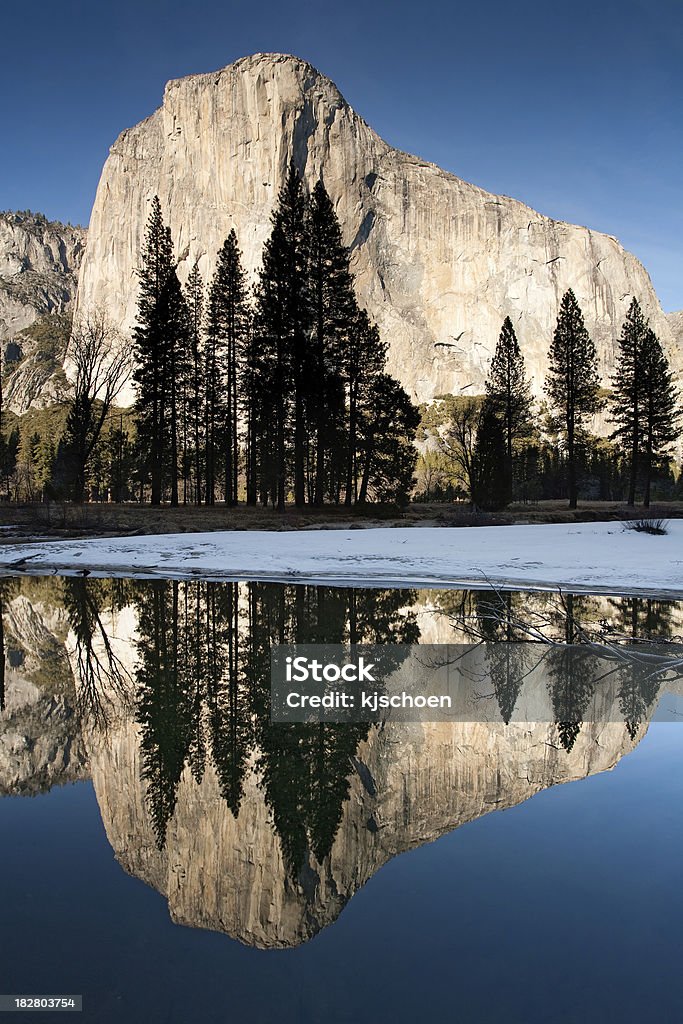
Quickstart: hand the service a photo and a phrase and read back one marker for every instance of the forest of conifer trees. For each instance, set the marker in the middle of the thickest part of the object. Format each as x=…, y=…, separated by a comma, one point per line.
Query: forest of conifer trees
x=276, y=393
x=273, y=396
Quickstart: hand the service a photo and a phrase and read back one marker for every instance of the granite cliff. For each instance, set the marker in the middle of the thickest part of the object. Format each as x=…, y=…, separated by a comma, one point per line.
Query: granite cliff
x=438, y=262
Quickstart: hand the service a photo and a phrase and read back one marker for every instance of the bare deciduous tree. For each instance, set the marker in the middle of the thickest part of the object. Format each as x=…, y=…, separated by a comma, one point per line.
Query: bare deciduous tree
x=101, y=362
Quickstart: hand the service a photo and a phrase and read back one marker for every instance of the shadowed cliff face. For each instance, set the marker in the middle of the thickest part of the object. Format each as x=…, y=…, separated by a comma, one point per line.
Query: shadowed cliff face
x=438, y=262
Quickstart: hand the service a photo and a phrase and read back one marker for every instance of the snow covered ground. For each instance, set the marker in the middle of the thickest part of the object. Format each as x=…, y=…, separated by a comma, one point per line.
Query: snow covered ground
x=595, y=557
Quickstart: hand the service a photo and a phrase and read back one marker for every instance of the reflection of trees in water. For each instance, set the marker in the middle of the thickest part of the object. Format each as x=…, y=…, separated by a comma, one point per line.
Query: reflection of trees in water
x=103, y=681
x=572, y=675
x=638, y=619
x=204, y=693
x=507, y=661
x=638, y=691
x=511, y=629
x=579, y=656
x=203, y=680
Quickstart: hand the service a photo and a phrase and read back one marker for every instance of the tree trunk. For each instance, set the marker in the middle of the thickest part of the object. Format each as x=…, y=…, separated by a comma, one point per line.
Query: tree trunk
x=252, y=491
x=633, y=469
x=235, y=446
x=174, y=441
x=351, y=459
x=280, y=453
x=571, y=464
x=648, y=475
x=299, y=448
x=365, y=480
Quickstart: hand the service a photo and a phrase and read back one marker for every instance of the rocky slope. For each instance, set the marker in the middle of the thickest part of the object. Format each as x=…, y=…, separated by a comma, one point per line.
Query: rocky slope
x=438, y=262
x=39, y=264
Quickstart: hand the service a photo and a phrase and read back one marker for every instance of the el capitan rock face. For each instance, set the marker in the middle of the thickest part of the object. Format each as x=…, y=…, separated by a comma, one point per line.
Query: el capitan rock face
x=438, y=262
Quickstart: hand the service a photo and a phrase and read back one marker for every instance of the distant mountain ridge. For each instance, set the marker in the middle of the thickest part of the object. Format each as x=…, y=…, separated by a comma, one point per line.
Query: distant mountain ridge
x=39, y=265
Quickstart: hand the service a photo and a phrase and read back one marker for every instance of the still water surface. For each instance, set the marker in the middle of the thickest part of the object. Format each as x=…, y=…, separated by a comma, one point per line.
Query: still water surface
x=322, y=873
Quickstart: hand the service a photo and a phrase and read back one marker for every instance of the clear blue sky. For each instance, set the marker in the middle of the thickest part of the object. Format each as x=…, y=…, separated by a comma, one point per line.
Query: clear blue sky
x=575, y=107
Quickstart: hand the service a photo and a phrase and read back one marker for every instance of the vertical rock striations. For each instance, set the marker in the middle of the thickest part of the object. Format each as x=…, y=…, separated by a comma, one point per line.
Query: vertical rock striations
x=439, y=262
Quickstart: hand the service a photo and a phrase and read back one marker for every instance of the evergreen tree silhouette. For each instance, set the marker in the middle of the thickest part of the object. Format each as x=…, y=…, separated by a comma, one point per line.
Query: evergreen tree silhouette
x=175, y=319
x=507, y=659
x=196, y=387
x=573, y=383
x=228, y=325
x=662, y=411
x=572, y=675
x=628, y=395
x=508, y=391
x=152, y=343
x=229, y=713
x=282, y=325
x=334, y=313
x=165, y=702
x=386, y=427
x=492, y=483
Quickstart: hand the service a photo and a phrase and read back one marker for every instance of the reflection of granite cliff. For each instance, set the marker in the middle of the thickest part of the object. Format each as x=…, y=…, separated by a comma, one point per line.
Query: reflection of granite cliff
x=411, y=784
x=40, y=741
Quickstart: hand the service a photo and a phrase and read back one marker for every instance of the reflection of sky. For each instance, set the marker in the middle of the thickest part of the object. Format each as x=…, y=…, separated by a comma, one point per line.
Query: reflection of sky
x=565, y=908
x=669, y=708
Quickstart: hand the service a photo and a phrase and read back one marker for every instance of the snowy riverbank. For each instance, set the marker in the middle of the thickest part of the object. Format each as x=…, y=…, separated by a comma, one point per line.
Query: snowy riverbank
x=595, y=557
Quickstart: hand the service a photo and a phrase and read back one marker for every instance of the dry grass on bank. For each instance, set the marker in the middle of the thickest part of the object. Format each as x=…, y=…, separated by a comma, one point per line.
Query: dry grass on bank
x=94, y=520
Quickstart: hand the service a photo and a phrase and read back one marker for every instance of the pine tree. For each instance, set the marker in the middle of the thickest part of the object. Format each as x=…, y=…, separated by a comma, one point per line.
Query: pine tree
x=249, y=399
x=628, y=396
x=662, y=412
x=228, y=329
x=573, y=383
x=215, y=403
x=151, y=349
x=282, y=323
x=387, y=424
x=174, y=318
x=508, y=391
x=362, y=361
x=194, y=296
x=334, y=315
x=492, y=484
